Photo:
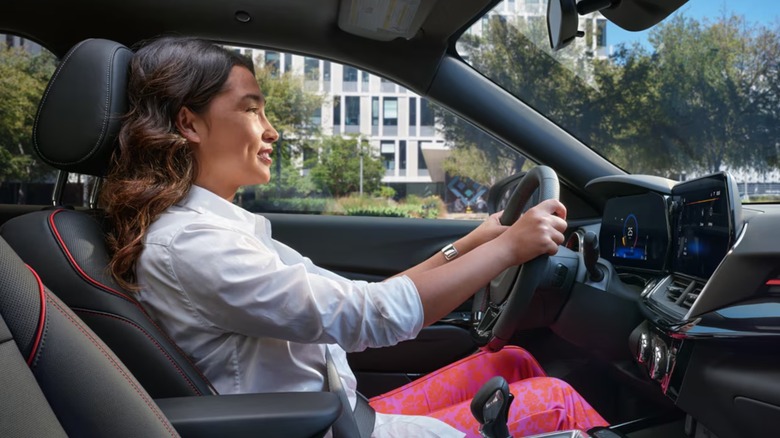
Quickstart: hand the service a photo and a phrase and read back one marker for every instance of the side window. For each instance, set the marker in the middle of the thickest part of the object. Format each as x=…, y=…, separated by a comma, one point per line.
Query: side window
x=25, y=70
x=353, y=143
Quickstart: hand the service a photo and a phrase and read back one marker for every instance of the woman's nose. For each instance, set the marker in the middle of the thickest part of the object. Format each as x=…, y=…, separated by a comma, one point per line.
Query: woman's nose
x=269, y=133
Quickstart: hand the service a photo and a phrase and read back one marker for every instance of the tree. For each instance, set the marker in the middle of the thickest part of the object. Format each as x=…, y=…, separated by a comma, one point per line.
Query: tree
x=536, y=76
x=338, y=170
x=719, y=109
x=291, y=109
x=23, y=78
x=706, y=96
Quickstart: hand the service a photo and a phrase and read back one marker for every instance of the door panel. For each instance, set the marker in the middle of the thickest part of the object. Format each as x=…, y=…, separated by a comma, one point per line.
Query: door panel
x=367, y=247
x=372, y=249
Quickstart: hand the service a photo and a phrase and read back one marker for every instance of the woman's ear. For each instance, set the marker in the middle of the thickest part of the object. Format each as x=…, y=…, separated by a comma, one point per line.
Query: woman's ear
x=186, y=124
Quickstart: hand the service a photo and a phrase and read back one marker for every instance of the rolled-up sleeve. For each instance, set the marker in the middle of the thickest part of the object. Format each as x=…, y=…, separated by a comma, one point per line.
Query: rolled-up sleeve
x=238, y=284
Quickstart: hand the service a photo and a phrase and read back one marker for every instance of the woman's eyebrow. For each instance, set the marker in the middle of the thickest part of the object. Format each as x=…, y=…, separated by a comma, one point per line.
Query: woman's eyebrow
x=258, y=98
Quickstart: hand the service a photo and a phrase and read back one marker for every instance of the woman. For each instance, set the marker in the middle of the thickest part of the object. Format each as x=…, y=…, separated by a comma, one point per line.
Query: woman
x=254, y=314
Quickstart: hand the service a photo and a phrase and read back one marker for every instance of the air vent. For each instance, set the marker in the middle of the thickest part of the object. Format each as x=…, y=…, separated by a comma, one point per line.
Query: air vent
x=676, y=289
x=683, y=292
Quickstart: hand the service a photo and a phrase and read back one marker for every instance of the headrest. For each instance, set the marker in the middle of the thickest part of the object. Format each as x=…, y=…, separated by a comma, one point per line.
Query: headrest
x=80, y=114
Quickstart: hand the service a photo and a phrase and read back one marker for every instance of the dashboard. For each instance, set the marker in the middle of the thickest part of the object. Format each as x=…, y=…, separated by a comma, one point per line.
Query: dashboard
x=692, y=286
x=687, y=232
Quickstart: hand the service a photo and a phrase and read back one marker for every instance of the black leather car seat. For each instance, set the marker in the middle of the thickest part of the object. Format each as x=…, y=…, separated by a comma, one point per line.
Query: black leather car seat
x=57, y=378
x=75, y=131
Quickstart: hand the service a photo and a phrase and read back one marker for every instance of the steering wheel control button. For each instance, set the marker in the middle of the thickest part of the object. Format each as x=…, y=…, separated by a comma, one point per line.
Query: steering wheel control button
x=449, y=252
x=559, y=275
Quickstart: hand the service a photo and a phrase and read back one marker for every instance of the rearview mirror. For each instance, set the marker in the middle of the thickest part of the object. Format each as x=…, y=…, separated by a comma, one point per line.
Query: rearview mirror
x=562, y=20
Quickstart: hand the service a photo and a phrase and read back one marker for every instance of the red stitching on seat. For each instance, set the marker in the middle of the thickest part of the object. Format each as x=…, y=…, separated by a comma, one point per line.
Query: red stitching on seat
x=141, y=393
x=151, y=338
x=41, y=318
x=76, y=266
x=83, y=274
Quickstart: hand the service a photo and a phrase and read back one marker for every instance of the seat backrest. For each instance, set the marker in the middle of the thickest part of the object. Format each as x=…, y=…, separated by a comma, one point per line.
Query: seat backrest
x=58, y=378
x=75, y=131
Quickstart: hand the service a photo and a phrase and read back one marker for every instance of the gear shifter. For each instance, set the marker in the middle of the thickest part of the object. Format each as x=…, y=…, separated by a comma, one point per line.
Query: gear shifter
x=590, y=252
x=490, y=406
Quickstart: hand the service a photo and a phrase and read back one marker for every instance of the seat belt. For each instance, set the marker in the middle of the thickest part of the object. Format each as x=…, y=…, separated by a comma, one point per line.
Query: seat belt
x=358, y=424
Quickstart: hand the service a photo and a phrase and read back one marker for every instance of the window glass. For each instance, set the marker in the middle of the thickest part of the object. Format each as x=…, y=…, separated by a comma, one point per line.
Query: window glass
x=272, y=61
x=693, y=95
x=412, y=111
x=25, y=69
x=350, y=74
x=417, y=160
x=390, y=111
x=336, y=110
x=352, y=116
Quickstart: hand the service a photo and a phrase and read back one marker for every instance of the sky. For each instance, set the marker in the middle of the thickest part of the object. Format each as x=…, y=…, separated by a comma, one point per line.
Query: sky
x=763, y=11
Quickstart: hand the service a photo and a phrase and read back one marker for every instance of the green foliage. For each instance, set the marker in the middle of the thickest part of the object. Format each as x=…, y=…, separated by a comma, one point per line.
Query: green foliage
x=338, y=170
x=23, y=78
x=430, y=207
x=290, y=110
x=288, y=205
x=706, y=96
x=286, y=182
x=385, y=192
x=377, y=211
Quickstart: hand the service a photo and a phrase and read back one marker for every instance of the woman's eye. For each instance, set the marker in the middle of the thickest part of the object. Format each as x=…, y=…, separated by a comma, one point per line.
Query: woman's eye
x=253, y=110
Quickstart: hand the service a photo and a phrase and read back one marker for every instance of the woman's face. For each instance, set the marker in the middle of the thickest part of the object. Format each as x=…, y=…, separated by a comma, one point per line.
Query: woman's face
x=232, y=138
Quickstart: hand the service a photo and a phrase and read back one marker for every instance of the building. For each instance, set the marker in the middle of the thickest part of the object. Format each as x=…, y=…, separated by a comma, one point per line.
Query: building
x=398, y=124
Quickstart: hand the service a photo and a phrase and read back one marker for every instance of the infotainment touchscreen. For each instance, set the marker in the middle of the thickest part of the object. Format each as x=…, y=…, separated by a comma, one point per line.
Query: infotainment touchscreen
x=705, y=212
x=635, y=231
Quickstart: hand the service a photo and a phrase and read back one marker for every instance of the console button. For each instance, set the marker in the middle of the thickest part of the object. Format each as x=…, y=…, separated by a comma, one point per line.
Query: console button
x=659, y=360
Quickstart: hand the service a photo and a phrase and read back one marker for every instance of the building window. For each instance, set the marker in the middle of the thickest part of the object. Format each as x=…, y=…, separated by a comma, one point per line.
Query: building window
x=601, y=32
x=412, y=111
x=350, y=74
x=311, y=69
x=426, y=113
x=352, y=111
x=375, y=111
x=272, y=62
x=336, y=110
x=287, y=62
x=390, y=109
x=316, y=118
x=387, y=149
x=386, y=86
x=420, y=157
x=402, y=155
x=326, y=71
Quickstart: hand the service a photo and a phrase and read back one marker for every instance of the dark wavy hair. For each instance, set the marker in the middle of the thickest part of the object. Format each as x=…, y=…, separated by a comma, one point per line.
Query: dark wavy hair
x=154, y=167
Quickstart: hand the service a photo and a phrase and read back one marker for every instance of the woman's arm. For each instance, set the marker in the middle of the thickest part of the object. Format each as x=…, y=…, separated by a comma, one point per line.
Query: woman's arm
x=485, y=232
x=444, y=286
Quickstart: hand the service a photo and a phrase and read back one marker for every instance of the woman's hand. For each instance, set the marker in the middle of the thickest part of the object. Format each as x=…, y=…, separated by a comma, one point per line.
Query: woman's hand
x=538, y=231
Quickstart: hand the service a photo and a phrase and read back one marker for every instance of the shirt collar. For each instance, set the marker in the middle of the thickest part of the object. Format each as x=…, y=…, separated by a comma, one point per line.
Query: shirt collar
x=206, y=202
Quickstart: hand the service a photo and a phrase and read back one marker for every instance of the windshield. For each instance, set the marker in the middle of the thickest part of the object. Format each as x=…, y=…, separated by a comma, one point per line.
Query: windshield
x=698, y=93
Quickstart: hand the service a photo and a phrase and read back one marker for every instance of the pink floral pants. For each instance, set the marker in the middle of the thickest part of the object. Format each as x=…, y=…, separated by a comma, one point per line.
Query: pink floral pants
x=542, y=404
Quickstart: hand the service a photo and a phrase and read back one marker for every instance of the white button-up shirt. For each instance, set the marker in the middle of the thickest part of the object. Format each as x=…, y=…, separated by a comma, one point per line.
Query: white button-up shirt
x=255, y=315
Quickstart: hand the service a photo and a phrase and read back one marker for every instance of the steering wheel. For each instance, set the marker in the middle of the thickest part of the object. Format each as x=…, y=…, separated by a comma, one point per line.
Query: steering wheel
x=497, y=312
